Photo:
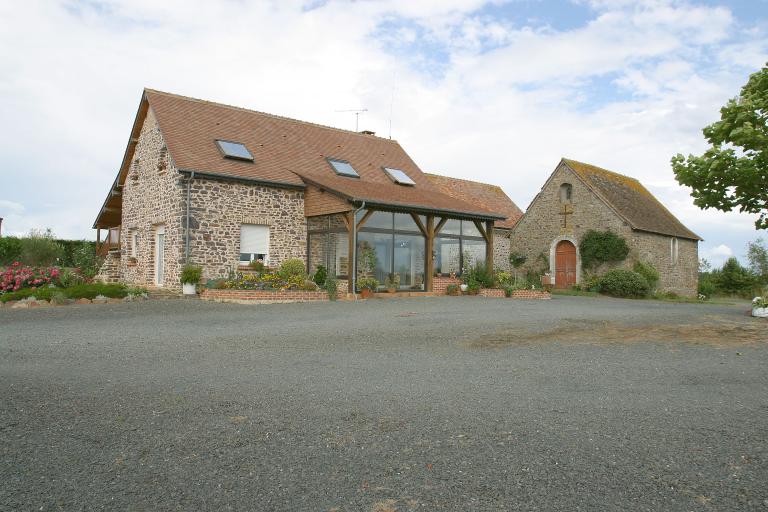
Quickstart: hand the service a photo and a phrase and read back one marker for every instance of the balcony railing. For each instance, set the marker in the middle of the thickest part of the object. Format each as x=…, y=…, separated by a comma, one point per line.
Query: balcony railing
x=110, y=243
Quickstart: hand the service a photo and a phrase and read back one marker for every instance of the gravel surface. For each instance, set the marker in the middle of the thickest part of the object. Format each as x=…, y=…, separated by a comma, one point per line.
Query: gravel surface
x=381, y=405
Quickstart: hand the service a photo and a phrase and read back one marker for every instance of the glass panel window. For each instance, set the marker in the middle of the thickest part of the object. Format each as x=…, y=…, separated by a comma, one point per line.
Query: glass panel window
x=451, y=227
x=378, y=220
x=468, y=228
x=404, y=222
x=343, y=168
x=474, y=252
x=234, y=150
x=399, y=176
x=254, y=243
x=447, y=255
x=409, y=261
x=374, y=255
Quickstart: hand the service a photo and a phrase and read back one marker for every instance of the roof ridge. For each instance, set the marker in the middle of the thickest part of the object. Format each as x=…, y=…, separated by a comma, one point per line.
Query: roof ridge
x=464, y=179
x=267, y=114
x=603, y=169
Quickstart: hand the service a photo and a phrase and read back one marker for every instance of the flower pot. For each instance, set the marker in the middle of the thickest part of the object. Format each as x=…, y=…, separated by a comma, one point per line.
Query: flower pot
x=463, y=287
x=760, y=312
x=391, y=290
x=366, y=293
x=189, y=288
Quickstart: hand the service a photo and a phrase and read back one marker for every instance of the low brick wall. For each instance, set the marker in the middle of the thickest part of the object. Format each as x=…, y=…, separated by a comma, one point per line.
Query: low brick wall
x=263, y=296
x=440, y=284
x=531, y=294
x=497, y=293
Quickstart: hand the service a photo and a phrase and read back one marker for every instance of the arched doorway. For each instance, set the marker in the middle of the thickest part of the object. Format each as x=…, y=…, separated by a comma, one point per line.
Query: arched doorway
x=565, y=264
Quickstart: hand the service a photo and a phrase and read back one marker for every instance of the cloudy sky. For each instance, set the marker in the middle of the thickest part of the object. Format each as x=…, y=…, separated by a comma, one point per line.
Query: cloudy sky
x=493, y=91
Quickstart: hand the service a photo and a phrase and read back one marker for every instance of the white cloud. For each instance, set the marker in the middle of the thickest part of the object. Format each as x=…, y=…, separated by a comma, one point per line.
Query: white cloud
x=626, y=91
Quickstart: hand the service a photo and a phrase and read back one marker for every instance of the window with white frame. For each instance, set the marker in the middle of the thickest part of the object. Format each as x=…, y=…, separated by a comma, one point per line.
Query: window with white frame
x=673, y=250
x=254, y=243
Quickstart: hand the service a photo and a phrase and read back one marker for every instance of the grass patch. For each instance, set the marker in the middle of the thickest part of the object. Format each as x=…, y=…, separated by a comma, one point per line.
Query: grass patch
x=574, y=293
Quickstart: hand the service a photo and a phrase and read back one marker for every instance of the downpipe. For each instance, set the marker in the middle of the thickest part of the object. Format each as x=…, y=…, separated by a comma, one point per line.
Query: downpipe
x=186, y=231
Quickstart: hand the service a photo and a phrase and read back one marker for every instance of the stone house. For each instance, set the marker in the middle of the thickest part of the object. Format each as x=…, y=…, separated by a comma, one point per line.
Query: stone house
x=221, y=186
x=579, y=197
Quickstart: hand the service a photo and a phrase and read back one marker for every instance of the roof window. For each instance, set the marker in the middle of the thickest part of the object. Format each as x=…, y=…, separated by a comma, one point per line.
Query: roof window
x=399, y=176
x=343, y=168
x=234, y=150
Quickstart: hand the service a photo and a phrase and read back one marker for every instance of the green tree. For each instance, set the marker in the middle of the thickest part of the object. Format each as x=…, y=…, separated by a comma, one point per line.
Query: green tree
x=39, y=248
x=734, y=279
x=733, y=172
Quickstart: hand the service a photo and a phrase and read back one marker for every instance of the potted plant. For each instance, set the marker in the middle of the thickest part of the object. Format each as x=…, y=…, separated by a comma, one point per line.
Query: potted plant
x=367, y=286
x=452, y=289
x=760, y=307
x=190, y=276
x=473, y=288
x=392, y=282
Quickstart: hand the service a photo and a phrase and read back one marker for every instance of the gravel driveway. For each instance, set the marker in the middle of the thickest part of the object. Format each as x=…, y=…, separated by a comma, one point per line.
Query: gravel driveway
x=404, y=404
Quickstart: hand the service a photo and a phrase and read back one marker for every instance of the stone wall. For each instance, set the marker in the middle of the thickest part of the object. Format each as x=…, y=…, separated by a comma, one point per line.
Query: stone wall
x=219, y=208
x=501, y=250
x=152, y=197
x=681, y=276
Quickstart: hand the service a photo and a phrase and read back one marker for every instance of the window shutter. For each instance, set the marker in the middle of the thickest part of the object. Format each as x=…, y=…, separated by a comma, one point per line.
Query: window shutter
x=254, y=239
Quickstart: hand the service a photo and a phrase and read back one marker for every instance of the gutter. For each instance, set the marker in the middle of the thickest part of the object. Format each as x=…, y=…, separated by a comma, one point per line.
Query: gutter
x=253, y=181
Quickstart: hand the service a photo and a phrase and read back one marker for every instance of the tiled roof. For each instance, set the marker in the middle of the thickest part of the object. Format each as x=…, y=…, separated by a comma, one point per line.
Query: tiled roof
x=291, y=152
x=631, y=200
x=490, y=197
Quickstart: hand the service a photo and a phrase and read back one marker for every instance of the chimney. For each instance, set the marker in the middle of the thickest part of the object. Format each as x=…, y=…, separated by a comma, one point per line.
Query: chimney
x=368, y=132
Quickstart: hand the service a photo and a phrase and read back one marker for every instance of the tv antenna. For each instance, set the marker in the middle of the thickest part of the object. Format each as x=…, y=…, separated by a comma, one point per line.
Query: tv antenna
x=357, y=112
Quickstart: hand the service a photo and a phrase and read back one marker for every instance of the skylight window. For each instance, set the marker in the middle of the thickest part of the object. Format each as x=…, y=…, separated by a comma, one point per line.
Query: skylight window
x=399, y=176
x=343, y=168
x=234, y=150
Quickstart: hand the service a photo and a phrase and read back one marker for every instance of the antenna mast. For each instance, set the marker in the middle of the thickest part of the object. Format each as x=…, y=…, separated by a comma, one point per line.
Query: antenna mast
x=357, y=112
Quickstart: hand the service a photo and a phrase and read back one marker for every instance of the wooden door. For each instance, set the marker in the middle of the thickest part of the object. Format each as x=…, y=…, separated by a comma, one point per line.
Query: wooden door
x=565, y=264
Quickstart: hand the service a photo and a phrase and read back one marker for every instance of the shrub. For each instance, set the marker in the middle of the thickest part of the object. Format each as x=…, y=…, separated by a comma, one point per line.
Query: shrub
x=216, y=284
x=707, y=287
x=191, y=274
x=452, y=289
x=649, y=272
x=367, y=283
x=68, y=277
x=10, y=250
x=621, y=282
x=479, y=274
x=321, y=274
x=598, y=247
x=330, y=287
x=40, y=249
x=590, y=283
x=504, y=279
x=58, y=298
x=84, y=257
x=257, y=265
x=91, y=290
x=18, y=276
x=473, y=288
x=293, y=267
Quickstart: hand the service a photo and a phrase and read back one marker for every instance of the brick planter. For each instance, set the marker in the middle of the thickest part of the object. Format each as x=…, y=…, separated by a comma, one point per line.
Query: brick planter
x=496, y=293
x=531, y=294
x=263, y=296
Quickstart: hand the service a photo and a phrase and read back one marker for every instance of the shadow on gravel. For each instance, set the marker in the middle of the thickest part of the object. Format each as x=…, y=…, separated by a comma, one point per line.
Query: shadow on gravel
x=713, y=331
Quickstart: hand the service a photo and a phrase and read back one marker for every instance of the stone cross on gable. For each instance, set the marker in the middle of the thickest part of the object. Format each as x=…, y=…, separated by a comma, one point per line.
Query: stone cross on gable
x=566, y=211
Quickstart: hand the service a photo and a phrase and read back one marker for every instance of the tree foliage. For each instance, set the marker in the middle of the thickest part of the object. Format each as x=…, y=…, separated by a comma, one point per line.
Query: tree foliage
x=598, y=247
x=757, y=255
x=733, y=172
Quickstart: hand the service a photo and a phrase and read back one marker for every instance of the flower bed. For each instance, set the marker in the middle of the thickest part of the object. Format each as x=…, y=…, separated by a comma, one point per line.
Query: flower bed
x=760, y=307
x=257, y=296
x=531, y=294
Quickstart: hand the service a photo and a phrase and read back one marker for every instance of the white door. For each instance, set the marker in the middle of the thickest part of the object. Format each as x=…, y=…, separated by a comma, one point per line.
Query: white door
x=159, y=251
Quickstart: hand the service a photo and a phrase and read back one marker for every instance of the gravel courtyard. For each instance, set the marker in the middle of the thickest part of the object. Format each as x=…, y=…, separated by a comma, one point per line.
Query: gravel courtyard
x=383, y=405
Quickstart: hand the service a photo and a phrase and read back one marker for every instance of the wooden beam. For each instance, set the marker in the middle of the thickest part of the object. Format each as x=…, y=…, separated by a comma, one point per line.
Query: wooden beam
x=440, y=225
x=429, y=249
x=418, y=222
x=365, y=218
x=479, y=227
x=349, y=220
x=345, y=217
x=489, y=247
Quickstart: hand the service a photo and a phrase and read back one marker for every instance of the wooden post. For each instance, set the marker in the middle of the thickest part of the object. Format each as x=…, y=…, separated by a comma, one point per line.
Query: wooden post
x=350, y=222
x=489, y=245
x=429, y=249
x=98, y=241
